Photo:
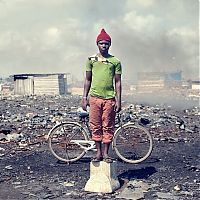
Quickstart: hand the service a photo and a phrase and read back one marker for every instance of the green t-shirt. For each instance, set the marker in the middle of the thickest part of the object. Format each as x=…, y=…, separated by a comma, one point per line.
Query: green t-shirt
x=103, y=72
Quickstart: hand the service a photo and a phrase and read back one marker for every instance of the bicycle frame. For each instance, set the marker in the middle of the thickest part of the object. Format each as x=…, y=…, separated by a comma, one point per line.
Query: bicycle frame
x=81, y=143
x=87, y=145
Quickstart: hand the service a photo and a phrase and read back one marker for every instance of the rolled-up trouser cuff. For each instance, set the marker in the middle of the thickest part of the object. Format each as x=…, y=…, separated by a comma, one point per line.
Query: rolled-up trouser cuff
x=97, y=138
x=107, y=138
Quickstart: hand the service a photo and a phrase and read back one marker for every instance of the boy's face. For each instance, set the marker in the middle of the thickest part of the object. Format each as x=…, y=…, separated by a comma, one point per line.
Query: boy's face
x=103, y=46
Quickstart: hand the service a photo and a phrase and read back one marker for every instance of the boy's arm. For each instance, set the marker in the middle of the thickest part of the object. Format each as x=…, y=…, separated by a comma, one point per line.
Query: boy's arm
x=118, y=89
x=87, y=85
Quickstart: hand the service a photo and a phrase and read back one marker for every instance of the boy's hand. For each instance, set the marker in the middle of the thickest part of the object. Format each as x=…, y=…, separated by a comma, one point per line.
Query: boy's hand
x=84, y=104
x=117, y=107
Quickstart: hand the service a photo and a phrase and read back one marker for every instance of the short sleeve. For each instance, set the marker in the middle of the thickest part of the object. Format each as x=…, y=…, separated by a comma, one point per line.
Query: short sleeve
x=88, y=65
x=118, y=68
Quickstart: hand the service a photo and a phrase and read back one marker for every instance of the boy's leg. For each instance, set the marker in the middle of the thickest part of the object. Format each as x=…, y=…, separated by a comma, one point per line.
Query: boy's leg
x=99, y=155
x=108, y=124
x=96, y=124
x=106, y=149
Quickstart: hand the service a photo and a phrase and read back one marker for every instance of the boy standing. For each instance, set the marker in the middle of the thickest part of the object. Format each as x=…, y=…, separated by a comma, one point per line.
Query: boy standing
x=103, y=81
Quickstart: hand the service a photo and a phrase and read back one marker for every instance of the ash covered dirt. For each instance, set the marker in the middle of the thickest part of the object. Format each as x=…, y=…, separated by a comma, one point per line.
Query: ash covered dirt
x=29, y=171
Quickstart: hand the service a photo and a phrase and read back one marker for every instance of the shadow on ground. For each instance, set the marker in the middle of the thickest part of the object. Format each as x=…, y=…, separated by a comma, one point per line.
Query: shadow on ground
x=142, y=173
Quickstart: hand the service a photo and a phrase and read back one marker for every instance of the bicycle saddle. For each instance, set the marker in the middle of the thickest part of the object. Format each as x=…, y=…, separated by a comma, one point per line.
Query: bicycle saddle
x=82, y=113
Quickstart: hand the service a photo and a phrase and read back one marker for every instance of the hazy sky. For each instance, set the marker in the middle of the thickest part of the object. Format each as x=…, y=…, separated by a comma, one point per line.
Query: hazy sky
x=50, y=36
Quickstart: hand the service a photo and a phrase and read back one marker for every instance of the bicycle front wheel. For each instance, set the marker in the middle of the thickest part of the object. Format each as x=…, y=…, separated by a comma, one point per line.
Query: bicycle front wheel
x=62, y=141
x=133, y=143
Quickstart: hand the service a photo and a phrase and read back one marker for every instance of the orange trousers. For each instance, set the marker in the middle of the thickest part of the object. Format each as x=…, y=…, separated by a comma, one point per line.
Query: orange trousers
x=102, y=119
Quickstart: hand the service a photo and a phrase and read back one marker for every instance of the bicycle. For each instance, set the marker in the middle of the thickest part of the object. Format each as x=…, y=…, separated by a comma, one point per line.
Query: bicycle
x=69, y=141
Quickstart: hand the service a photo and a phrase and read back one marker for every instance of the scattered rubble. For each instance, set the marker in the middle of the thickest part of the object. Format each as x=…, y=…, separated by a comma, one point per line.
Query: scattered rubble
x=29, y=171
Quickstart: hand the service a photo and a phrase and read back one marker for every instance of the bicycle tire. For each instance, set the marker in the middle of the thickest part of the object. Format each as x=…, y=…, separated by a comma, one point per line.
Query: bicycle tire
x=60, y=141
x=132, y=143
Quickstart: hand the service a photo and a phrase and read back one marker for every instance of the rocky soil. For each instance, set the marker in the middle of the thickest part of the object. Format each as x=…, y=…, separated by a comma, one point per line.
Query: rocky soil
x=28, y=171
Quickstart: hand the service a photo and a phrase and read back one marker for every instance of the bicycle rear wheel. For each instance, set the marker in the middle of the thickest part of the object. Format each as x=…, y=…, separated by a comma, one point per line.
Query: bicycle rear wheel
x=132, y=143
x=61, y=141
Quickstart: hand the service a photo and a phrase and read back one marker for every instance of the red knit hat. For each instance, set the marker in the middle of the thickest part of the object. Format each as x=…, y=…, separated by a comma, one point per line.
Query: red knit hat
x=103, y=36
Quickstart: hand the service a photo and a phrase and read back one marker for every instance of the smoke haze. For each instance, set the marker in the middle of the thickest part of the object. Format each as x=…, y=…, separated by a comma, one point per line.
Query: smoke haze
x=48, y=36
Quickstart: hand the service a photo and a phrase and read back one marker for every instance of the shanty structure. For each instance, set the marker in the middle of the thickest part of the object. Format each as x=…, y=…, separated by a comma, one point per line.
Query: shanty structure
x=39, y=84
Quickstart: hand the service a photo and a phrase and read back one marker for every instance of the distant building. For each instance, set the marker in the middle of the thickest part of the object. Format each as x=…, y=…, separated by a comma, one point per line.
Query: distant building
x=151, y=81
x=173, y=78
x=195, y=85
x=6, y=89
x=194, y=91
x=39, y=84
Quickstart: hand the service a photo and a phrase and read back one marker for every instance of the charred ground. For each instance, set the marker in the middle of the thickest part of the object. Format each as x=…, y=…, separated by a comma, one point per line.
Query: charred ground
x=29, y=170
